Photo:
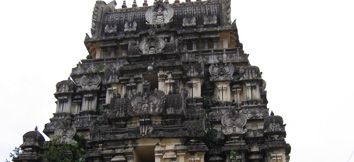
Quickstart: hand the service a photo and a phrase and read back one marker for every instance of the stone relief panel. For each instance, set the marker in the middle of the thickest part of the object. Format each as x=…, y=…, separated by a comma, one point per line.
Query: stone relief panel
x=193, y=70
x=255, y=113
x=89, y=82
x=130, y=26
x=175, y=104
x=112, y=73
x=249, y=73
x=110, y=29
x=210, y=20
x=274, y=124
x=152, y=45
x=189, y=21
x=159, y=14
x=146, y=127
x=221, y=72
x=82, y=69
x=195, y=128
x=118, y=108
x=65, y=86
x=233, y=123
x=148, y=104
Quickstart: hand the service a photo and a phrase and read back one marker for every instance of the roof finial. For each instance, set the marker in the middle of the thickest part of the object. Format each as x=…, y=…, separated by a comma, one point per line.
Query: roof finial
x=145, y=3
x=36, y=129
x=134, y=4
x=272, y=113
x=124, y=4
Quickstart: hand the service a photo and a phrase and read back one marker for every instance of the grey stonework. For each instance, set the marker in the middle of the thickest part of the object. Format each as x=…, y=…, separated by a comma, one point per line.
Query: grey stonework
x=165, y=71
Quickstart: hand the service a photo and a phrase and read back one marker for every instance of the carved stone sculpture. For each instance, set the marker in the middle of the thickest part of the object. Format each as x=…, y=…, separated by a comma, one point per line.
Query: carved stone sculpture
x=189, y=21
x=89, y=82
x=152, y=45
x=210, y=20
x=167, y=82
x=130, y=26
x=109, y=29
x=221, y=72
x=233, y=123
x=148, y=104
x=65, y=86
x=159, y=14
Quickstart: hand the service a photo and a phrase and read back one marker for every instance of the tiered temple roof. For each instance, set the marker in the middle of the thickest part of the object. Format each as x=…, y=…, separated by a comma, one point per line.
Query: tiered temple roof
x=165, y=82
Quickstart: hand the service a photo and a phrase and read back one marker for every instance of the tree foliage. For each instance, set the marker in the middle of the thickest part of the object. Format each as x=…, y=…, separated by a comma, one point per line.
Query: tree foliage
x=59, y=152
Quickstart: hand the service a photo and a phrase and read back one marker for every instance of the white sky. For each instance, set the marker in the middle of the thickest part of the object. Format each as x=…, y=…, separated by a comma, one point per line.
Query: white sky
x=304, y=48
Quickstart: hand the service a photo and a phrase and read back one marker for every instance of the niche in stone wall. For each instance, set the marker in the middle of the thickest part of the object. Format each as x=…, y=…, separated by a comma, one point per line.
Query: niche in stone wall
x=89, y=102
x=63, y=104
x=144, y=154
x=150, y=82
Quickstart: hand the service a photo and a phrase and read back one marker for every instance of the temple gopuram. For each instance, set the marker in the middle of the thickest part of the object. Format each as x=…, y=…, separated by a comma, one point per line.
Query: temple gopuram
x=164, y=82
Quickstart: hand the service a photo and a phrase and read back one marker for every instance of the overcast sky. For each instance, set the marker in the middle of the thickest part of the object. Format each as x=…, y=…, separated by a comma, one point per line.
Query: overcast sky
x=305, y=49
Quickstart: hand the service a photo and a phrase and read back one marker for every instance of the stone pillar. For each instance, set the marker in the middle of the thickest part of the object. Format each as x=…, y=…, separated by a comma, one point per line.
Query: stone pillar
x=109, y=94
x=162, y=77
x=170, y=83
x=181, y=156
x=131, y=88
x=222, y=75
x=89, y=102
x=233, y=126
x=64, y=91
x=158, y=153
x=194, y=88
x=277, y=155
x=252, y=91
x=223, y=91
x=129, y=154
x=64, y=104
x=236, y=90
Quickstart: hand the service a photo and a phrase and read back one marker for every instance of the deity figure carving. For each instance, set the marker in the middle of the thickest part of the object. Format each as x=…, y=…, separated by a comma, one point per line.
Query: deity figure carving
x=189, y=21
x=233, y=123
x=210, y=20
x=130, y=26
x=152, y=45
x=160, y=14
x=148, y=104
x=65, y=86
x=109, y=29
x=274, y=124
x=146, y=130
x=89, y=82
x=221, y=72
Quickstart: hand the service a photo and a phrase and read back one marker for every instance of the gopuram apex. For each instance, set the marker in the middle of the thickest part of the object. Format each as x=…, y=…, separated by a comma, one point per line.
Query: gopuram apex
x=163, y=82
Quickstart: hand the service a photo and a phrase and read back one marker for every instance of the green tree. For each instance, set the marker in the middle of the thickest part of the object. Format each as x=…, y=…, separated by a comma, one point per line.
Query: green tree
x=59, y=152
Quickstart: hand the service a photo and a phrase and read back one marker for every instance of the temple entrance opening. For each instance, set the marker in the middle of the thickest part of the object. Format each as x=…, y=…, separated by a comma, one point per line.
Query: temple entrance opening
x=145, y=154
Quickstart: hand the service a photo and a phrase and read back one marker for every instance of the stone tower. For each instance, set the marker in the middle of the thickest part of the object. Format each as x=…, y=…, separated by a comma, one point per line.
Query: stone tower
x=165, y=82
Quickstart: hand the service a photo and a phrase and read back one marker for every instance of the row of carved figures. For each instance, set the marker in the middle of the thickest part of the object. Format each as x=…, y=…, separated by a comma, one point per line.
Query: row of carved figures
x=145, y=4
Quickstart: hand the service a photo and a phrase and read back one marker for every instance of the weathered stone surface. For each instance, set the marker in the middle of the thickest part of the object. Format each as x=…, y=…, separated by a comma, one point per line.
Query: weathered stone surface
x=167, y=82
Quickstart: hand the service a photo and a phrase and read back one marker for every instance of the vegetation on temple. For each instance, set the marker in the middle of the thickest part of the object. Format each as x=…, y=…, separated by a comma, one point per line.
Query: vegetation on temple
x=165, y=82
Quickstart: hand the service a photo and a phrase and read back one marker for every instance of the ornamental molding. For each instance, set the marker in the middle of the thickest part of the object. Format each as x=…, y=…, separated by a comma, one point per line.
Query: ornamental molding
x=89, y=82
x=233, y=123
x=221, y=72
x=148, y=104
x=152, y=45
x=159, y=15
